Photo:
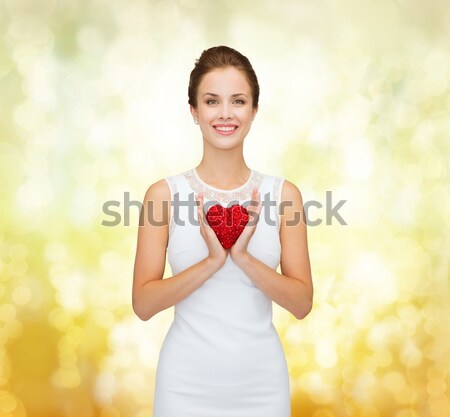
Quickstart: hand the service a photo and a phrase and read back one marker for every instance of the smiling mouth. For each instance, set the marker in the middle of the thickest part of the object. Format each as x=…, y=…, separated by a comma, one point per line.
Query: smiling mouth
x=226, y=130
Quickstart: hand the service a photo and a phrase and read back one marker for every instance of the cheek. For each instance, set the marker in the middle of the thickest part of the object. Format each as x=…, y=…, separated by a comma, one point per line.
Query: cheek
x=243, y=114
x=246, y=116
x=207, y=113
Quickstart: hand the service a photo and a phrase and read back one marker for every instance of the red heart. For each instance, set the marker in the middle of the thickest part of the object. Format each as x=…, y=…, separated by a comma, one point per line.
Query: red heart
x=227, y=222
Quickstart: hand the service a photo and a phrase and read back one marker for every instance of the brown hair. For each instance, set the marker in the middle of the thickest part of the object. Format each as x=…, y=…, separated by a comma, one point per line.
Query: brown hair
x=221, y=57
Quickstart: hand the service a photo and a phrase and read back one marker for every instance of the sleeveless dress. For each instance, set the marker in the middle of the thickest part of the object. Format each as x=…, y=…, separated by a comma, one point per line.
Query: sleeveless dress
x=222, y=356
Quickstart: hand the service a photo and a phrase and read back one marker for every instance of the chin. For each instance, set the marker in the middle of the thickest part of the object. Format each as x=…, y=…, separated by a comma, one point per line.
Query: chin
x=229, y=145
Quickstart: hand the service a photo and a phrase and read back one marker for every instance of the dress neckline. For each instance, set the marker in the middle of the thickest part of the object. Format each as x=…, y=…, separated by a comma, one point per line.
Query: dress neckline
x=221, y=190
x=241, y=193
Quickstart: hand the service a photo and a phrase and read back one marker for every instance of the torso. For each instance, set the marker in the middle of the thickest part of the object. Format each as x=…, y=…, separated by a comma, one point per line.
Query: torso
x=222, y=349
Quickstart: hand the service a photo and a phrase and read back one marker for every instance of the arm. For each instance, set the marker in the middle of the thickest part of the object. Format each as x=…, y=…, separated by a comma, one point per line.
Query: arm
x=293, y=289
x=151, y=293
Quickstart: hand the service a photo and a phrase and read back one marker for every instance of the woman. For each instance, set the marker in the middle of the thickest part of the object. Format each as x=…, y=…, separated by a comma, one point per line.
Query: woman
x=222, y=356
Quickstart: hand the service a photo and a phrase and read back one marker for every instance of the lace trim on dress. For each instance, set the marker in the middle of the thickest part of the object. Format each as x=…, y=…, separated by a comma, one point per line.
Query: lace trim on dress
x=224, y=196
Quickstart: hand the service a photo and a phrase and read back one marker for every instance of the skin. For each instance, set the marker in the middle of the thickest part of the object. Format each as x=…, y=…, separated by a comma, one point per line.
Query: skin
x=224, y=153
x=223, y=166
x=223, y=109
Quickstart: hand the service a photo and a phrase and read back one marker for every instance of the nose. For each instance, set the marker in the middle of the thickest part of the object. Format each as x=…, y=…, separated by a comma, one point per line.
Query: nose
x=225, y=111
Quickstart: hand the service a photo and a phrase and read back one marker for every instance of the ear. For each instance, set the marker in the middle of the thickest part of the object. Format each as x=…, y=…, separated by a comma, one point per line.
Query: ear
x=254, y=112
x=193, y=111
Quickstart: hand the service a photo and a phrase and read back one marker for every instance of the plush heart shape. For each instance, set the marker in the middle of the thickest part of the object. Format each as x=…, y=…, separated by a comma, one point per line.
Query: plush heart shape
x=227, y=222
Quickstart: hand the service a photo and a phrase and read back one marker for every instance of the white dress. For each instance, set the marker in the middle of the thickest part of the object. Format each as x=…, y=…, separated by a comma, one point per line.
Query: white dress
x=222, y=356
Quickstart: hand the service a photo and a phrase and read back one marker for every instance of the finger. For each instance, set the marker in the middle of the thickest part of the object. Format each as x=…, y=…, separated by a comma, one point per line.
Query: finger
x=254, y=202
x=199, y=208
x=197, y=200
x=202, y=212
x=255, y=207
x=256, y=198
x=259, y=201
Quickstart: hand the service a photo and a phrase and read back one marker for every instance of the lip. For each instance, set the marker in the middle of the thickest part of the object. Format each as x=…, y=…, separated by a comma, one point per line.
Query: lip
x=231, y=132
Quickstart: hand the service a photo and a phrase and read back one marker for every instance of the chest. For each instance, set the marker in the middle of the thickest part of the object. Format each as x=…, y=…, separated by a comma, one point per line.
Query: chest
x=186, y=245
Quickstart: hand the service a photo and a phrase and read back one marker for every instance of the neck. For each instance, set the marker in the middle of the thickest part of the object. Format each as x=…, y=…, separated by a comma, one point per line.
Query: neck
x=223, y=168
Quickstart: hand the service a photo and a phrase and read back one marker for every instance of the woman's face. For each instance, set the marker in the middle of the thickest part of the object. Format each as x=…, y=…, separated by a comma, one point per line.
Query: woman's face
x=224, y=102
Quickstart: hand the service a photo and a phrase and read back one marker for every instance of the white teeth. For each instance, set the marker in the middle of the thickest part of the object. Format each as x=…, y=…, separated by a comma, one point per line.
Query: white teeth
x=225, y=129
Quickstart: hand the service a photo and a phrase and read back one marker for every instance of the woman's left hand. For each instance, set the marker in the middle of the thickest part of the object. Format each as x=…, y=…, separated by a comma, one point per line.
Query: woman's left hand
x=254, y=209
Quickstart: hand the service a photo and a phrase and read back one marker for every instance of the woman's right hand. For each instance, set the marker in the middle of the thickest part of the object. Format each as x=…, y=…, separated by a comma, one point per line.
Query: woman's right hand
x=217, y=252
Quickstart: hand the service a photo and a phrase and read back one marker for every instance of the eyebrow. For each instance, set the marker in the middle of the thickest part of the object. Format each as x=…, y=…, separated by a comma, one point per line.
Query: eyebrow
x=232, y=95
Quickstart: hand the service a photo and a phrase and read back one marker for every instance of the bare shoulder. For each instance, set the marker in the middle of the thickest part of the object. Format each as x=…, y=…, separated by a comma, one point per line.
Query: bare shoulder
x=158, y=190
x=291, y=202
x=157, y=201
x=290, y=190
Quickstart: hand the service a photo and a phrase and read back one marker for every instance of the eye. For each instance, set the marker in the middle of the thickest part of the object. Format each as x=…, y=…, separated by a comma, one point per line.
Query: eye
x=242, y=101
x=208, y=101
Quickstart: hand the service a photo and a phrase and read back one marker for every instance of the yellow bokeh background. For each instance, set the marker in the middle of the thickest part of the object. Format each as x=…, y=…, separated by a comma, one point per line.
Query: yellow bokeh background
x=354, y=106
